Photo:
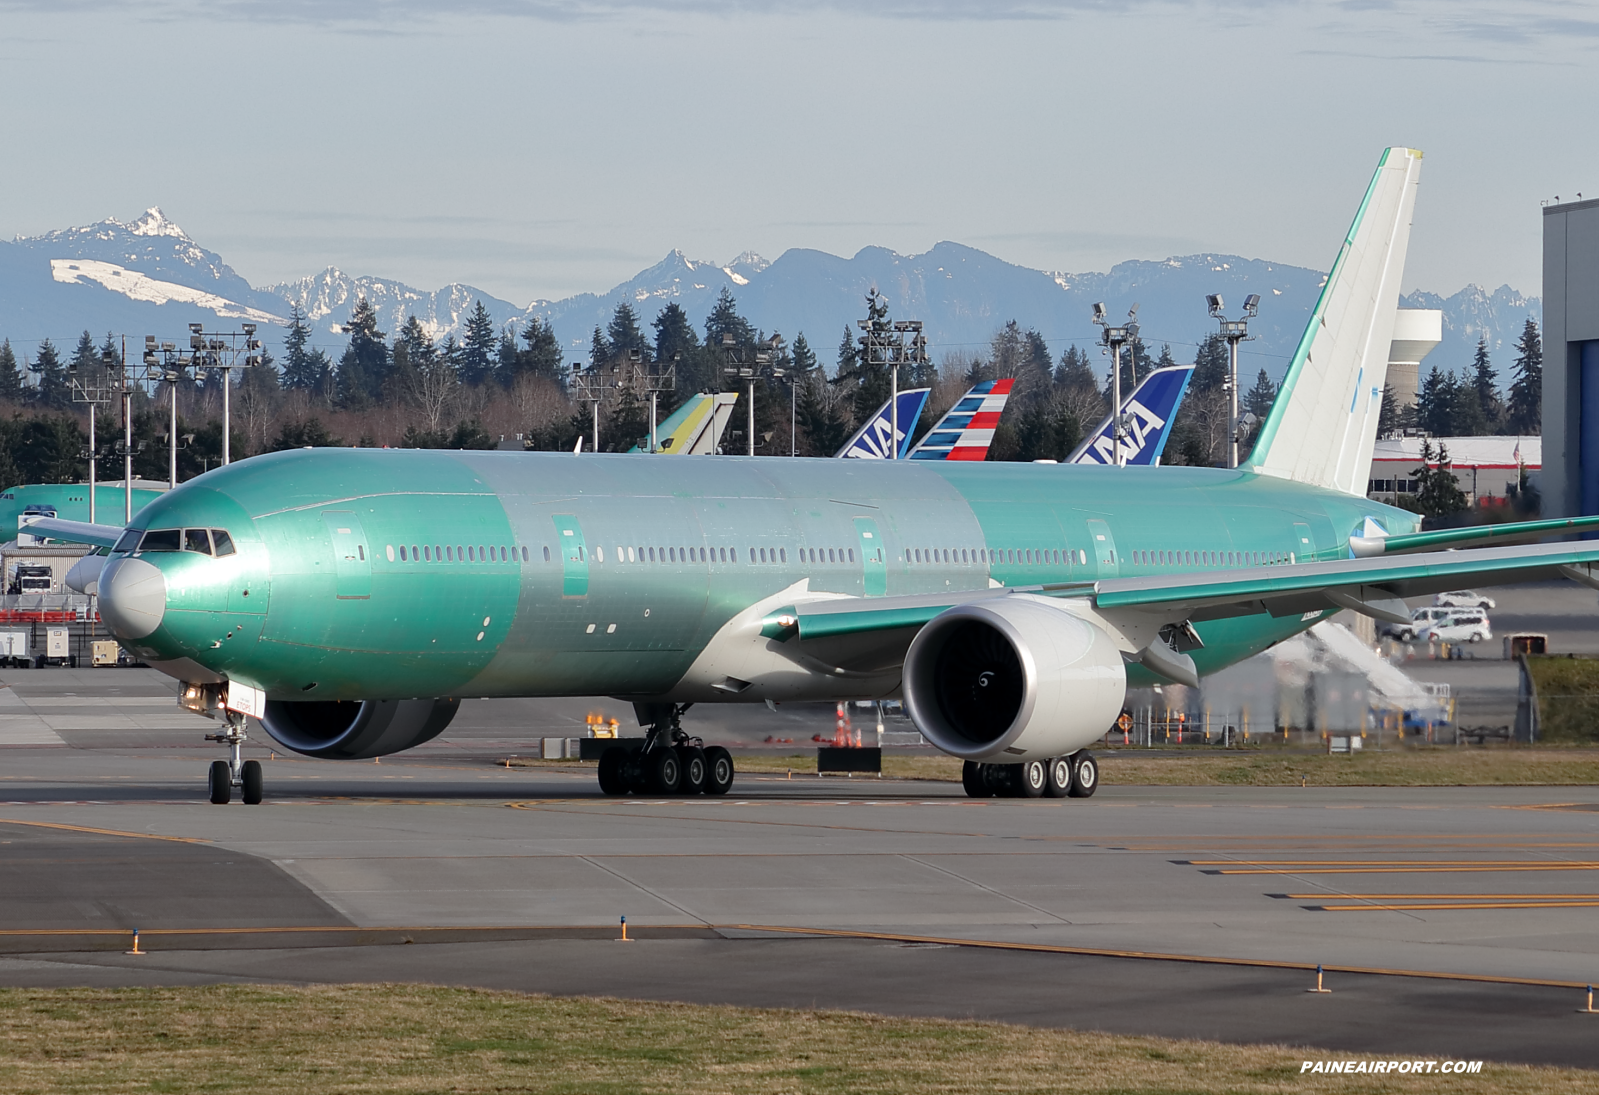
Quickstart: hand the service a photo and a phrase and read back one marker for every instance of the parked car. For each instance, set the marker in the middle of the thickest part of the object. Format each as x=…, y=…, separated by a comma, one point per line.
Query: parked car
x=1460, y=626
x=1464, y=598
x=1419, y=618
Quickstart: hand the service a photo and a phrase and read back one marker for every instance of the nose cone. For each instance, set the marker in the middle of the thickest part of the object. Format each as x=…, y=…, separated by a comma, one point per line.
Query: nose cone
x=133, y=597
x=84, y=577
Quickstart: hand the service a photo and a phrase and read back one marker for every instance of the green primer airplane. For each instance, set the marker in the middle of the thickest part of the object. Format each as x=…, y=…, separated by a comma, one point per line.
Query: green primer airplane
x=347, y=598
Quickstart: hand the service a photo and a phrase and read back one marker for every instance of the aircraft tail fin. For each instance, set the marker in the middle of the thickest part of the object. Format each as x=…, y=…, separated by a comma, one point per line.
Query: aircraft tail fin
x=1149, y=413
x=871, y=441
x=1323, y=425
x=966, y=432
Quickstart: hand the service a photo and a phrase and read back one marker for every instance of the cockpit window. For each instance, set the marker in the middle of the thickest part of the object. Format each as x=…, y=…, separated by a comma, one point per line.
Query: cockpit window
x=223, y=542
x=128, y=541
x=197, y=539
x=165, y=539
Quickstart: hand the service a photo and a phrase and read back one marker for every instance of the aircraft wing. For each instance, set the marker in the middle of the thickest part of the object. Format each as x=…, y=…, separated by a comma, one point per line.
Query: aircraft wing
x=1149, y=413
x=1138, y=608
x=77, y=532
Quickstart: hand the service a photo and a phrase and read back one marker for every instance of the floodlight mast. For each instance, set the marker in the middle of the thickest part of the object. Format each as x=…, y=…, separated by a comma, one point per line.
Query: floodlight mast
x=1116, y=338
x=1234, y=331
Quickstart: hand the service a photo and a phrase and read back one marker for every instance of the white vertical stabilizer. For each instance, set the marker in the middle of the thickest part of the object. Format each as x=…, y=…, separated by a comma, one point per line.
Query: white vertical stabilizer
x=1324, y=423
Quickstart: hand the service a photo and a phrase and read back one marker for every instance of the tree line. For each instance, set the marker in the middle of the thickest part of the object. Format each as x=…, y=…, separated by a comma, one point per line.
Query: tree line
x=503, y=387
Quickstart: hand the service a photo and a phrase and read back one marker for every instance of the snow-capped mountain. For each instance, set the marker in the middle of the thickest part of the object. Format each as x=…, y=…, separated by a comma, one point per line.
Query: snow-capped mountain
x=149, y=277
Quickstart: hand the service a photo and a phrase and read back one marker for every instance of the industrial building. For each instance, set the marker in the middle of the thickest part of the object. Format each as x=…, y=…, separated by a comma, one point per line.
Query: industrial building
x=1487, y=468
x=1571, y=358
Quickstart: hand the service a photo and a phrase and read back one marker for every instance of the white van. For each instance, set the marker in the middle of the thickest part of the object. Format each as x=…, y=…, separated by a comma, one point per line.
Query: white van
x=1461, y=625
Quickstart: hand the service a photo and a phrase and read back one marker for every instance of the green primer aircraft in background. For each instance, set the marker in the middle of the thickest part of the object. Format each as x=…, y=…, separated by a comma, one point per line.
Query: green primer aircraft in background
x=348, y=598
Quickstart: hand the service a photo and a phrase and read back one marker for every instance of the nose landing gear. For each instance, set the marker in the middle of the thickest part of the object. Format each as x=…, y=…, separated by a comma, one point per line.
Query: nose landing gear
x=235, y=772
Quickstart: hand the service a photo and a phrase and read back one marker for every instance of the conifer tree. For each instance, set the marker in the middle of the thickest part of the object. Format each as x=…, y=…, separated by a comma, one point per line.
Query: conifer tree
x=1388, y=415
x=725, y=320
x=478, y=347
x=364, y=366
x=10, y=375
x=1260, y=398
x=1486, y=381
x=51, y=390
x=599, y=349
x=1525, y=409
x=303, y=370
x=1437, y=492
x=622, y=334
x=543, y=354
x=673, y=334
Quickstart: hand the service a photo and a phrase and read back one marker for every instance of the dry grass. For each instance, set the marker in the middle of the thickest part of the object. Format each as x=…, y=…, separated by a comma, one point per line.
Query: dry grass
x=408, y=1038
x=1436, y=767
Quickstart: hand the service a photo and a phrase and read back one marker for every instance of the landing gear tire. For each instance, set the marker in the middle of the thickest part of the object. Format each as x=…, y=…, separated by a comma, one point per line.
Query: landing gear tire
x=1060, y=777
x=252, y=782
x=1085, y=775
x=664, y=771
x=1032, y=778
x=718, y=771
x=613, y=781
x=973, y=779
x=695, y=769
x=221, y=783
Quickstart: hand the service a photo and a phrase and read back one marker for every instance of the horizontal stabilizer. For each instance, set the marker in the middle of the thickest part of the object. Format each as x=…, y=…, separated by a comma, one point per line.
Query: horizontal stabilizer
x=77, y=532
x=1513, y=532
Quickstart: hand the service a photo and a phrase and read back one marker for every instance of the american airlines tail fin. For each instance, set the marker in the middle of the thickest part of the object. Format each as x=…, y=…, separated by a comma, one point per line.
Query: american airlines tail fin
x=1323, y=426
x=1149, y=413
x=871, y=441
x=966, y=432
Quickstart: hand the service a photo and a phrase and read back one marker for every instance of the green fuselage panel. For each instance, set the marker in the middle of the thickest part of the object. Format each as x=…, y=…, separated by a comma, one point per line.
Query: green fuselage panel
x=398, y=573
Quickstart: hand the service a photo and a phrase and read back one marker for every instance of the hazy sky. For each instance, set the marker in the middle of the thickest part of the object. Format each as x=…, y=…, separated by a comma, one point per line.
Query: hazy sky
x=536, y=149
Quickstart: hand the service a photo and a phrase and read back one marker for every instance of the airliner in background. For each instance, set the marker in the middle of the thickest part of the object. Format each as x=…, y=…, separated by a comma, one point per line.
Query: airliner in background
x=347, y=599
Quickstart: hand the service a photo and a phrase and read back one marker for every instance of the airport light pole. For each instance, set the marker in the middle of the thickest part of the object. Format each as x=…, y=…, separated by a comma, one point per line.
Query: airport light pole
x=1234, y=331
x=886, y=344
x=224, y=351
x=590, y=387
x=764, y=363
x=1116, y=338
x=94, y=391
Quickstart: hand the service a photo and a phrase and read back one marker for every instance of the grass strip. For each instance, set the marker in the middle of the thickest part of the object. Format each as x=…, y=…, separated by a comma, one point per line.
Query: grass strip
x=416, y=1038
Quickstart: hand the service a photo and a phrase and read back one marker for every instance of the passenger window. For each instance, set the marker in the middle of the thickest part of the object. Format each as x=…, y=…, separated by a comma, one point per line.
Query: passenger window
x=166, y=539
x=852, y=555
x=782, y=555
x=127, y=542
x=402, y=553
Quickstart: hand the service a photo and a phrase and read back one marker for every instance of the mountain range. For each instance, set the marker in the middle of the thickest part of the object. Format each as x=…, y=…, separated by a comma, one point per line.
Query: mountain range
x=150, y=277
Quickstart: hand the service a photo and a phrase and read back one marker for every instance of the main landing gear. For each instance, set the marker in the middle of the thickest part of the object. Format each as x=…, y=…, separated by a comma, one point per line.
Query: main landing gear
x=234, y=772
x=1075, y=776
x=666, y=761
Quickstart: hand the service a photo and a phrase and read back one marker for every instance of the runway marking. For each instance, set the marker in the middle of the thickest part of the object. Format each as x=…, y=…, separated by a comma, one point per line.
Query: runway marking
x=103, y=832
x=1437, y=907
x=1369, y=863
x=547, y=930
x=1413, y=870
x=1259, y=963
x=1436, y=896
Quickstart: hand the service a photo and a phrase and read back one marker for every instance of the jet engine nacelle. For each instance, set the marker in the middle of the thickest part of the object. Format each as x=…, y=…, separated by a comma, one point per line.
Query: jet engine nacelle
x=1011, y=679
x=356, y=729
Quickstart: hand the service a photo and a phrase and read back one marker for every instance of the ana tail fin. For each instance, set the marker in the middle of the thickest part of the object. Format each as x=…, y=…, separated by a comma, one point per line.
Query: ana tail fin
x=1324, y=422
